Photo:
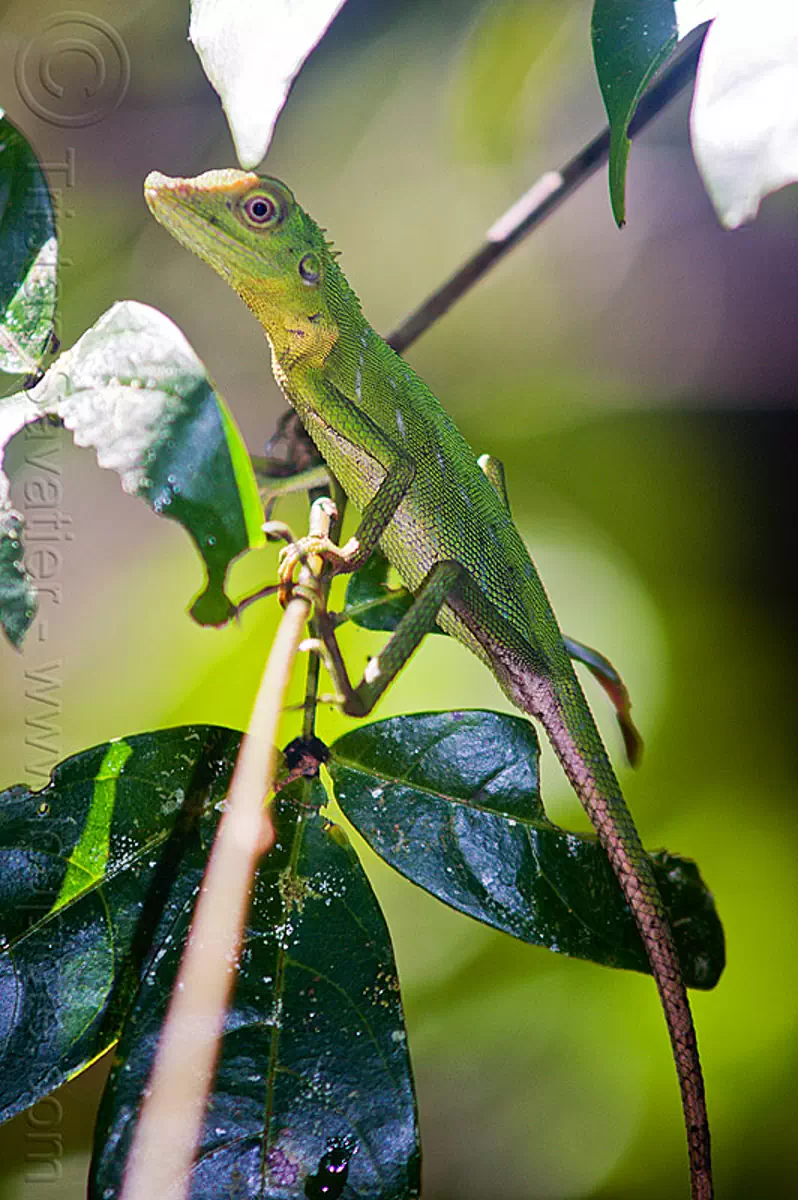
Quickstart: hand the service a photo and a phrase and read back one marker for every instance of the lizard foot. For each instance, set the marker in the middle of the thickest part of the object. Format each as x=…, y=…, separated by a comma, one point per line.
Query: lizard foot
x=339, y=557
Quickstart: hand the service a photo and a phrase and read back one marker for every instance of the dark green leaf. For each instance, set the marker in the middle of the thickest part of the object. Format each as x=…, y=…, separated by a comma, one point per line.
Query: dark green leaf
x=94, y=870
x=631, y=40
x=314, y=1053
x=28, y=256
x=17, y=590
x=133, y=388
x=452, y=801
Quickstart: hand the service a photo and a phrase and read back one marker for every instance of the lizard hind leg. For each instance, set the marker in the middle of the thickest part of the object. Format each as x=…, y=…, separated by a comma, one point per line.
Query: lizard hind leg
x=602, y=669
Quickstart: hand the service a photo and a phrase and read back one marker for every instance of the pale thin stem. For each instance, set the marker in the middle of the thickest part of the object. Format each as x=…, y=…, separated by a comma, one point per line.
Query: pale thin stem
x=159, y=1163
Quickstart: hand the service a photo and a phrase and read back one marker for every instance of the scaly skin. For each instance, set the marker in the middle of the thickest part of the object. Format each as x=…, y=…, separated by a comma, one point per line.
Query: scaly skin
x=423, y=497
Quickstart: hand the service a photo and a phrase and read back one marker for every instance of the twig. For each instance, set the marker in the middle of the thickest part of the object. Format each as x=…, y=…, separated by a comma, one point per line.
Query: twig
x=159, y=1163
x=543, y=198
x=314, y=660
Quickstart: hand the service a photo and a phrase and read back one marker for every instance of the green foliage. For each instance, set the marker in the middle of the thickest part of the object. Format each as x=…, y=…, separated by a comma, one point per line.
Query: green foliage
x=94, y=869
x=99, y=871
x=371, y=602
x=314, y=1053
x=741, y=122
x=28, y=256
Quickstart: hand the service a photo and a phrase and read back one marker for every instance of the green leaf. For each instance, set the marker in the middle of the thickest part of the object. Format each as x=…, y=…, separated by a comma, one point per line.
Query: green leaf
x=631, y=39
x=133, y=388
x=251, y=53
x=94, y=870
x=28, y=256
x=314, y=1052
x=17, y=590
x=452, y=801
x=743, y=122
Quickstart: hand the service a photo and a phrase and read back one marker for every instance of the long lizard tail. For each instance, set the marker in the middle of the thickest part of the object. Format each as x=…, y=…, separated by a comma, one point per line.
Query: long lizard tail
x=593, y=780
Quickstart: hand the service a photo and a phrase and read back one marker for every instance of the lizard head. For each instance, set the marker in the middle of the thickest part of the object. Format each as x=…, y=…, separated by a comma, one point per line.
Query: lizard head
x=251, y=230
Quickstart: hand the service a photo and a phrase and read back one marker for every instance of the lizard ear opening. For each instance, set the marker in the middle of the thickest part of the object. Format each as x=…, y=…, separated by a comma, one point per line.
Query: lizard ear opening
x=309, y=269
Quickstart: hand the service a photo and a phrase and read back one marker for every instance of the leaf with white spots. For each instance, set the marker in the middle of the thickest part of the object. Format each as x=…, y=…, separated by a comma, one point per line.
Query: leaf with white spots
x=631, y=40
x=17, y=590
x=133, y=388
x=251, y=52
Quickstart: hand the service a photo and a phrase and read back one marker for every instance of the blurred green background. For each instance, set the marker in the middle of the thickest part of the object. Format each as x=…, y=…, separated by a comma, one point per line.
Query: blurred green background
x=640, y=387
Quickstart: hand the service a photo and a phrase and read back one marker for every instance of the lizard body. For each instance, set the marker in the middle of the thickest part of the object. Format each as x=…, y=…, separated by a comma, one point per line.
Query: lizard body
x=441, y=520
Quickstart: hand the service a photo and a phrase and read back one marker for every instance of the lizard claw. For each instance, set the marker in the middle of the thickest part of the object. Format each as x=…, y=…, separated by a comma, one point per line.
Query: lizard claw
x=339, y=557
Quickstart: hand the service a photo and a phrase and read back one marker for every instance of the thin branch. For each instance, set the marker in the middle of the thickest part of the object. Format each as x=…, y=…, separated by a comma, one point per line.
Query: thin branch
x=547, y=194
x=310, y=704
x=159, y=1163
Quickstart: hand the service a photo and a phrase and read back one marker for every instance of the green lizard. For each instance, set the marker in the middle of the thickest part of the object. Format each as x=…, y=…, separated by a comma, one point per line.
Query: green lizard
x=441, y=519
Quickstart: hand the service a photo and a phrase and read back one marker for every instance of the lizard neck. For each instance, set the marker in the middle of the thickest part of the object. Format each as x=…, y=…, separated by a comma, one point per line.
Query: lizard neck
x=296, y=338
x=316, y=335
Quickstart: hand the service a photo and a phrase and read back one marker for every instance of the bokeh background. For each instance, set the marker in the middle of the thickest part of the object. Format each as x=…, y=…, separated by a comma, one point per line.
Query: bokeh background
x=640, y=387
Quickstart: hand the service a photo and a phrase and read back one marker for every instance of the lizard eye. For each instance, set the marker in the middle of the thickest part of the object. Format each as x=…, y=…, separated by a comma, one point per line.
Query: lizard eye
x=309, y=268
x=260, y=209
